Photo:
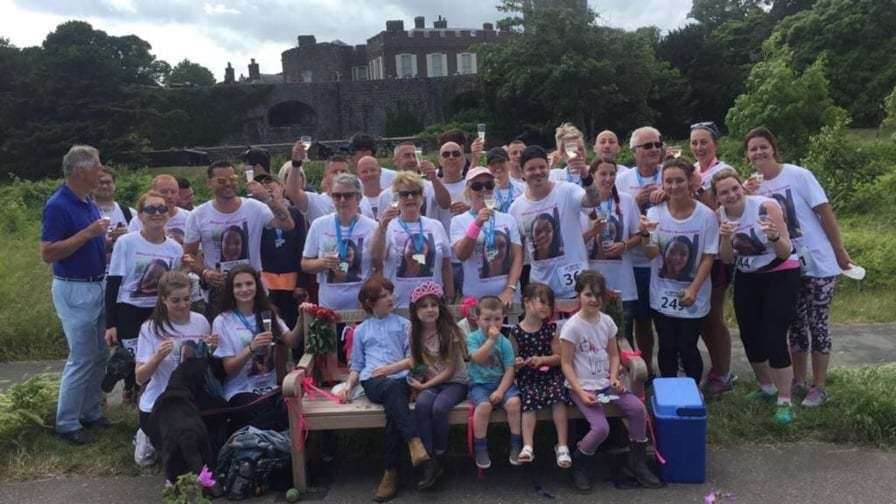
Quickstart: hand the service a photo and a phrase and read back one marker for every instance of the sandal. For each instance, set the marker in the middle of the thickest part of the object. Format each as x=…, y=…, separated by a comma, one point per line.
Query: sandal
x=526, y=455
x=564, y=459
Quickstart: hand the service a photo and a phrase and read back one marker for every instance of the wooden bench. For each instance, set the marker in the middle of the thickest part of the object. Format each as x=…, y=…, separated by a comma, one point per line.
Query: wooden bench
x=319, y=414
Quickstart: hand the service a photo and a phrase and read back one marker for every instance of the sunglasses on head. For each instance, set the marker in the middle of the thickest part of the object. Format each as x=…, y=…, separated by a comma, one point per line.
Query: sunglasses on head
x=651, y=145
x=704, y=124
x=156, y=209
x=342, y=195
x=488, y=185
x=452, y=153
x=408, y=194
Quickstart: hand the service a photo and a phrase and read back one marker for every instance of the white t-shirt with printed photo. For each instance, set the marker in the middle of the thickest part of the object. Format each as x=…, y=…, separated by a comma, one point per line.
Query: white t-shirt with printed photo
x=682, y=246
x=486, y=270
x=175, y=228
x=706, y=178
x=429, y=200
x=229, y=239
x=630, y=182
x=141, y=264
x=412, y=257
x=444, y=215
x=564, y=175
x=370, y=206
x=339, y=289
x=552, y=236
x=752, y=250
x=622, y=222
x=258, y=375
x=591, y=361
x=149, y=340
x=799, y=193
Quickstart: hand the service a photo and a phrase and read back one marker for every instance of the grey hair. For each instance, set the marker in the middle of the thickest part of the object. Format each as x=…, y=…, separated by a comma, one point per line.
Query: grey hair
x=633, y=141
x=347, y=180
x=79, y=156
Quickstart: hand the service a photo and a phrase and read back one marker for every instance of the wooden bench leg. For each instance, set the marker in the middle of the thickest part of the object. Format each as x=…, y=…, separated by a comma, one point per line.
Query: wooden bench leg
x=299, y=473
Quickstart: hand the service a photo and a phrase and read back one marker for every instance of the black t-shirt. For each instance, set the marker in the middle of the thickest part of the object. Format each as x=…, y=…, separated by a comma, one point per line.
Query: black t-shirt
x=281, y=251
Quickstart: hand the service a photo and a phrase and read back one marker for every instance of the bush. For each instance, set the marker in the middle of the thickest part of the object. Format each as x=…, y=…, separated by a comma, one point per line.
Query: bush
x=890, y=112
x=27, y=408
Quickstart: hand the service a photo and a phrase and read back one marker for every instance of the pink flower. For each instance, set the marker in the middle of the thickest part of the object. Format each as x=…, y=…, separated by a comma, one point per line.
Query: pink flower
x=206, y=478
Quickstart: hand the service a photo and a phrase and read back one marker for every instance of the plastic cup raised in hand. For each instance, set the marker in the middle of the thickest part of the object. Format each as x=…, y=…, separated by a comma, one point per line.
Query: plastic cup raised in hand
x=250, y=174
x=480, y=131
x=758, y=177
x=855, y=272
x=395, y=199
x=601, y=216
x=306, y=142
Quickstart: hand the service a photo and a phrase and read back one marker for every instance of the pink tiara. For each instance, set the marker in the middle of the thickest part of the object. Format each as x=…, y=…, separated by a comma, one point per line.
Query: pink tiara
x=425, y=289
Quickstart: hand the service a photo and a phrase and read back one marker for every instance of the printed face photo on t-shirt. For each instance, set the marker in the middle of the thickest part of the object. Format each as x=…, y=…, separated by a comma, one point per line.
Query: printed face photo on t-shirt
x=748, y=244
x=786, y=202
x=597, y=249
x=148, y=286
x=262, y=362
x=680, y=258
x=349, y=266
x=176, y=234
x=546, y=236
x=496, y=259
x=411, y=265
x=234, y=243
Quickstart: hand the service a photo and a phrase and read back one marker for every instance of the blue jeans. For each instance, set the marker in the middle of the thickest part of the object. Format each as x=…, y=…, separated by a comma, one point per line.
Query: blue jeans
x=431, y=410
x=80, y=308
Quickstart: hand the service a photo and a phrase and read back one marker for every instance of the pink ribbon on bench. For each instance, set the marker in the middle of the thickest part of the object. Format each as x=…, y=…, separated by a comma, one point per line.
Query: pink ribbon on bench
x=348, y=339
x=312, y=390
x=627, y=356
x=298, y=442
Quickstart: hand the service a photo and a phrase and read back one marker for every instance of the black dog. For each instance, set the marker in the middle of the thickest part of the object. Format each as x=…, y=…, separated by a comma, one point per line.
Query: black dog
x=185, y=439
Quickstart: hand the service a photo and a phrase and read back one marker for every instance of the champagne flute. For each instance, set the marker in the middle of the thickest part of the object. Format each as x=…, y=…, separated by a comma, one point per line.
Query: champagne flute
x=675, y=150
x=306, y=141
x=480, y=131
x=266, y=323
x=250, y=174
x=395, y=199
x=572, y=150
x=418, y=153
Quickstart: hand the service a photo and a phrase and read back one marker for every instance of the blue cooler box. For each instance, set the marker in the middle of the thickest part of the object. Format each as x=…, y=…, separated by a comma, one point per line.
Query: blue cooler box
x=680, y=429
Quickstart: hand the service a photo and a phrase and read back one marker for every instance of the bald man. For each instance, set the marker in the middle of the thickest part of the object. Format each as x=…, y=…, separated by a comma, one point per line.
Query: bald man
x=606, y=146
x=166, y=186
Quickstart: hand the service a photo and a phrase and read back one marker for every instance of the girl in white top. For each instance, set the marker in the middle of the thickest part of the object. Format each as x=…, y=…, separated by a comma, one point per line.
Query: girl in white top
x=411, y=248
x=815, y=233
x=686, y=242
x=138, y=262
x=253, y=346
x=163, y=335
x=610, y=231
x=337, y=246
x=487, y=242
x=589, y=357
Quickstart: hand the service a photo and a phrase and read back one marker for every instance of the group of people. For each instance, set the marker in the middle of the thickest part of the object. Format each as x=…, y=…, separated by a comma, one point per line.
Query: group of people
x=665, y=236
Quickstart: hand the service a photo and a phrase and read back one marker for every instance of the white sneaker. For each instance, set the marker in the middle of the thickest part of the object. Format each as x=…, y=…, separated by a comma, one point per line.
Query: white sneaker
x=144, y=453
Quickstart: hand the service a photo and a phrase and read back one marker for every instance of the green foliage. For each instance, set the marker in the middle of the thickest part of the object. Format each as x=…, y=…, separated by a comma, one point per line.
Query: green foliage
x=188, y=73
x=890, y=111
x=28, y=407
x=872, y=244
x=714, y=13
x=856, y=38
x=402, y=121
x=186, y=490
x=794, y=106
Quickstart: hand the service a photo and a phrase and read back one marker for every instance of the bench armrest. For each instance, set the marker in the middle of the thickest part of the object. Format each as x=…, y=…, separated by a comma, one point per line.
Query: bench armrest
x=636, y=367
x=292, y=383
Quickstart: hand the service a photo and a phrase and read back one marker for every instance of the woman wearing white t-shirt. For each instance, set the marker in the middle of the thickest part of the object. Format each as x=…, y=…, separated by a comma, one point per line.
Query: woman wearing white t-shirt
x=337, y=247
x=412, y=248
x=253, y=348
x=609, y=232
x=815, y=234
x=170, y=325
x=753, y=237
x=487, y=241
x=686, y=242
x=138, y=261
x=704, y=146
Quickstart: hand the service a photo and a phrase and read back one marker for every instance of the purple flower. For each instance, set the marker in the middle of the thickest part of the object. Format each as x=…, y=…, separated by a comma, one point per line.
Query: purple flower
x=205, y=478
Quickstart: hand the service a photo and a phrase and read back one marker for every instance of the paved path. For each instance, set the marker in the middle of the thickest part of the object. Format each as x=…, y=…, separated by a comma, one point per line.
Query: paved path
x=800, y=472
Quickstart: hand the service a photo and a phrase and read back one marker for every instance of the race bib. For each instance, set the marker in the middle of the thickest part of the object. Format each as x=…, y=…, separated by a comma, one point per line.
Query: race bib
x=568, y=274
x=226, y=266
x=131, y=346
x=261, y=384
x=670, y=302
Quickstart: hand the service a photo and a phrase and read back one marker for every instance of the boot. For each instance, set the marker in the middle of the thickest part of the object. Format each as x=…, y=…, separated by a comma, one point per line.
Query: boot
x=637, y=465
x=620, y=475
x=388, y=486
x=430, y=470
x=579, y=472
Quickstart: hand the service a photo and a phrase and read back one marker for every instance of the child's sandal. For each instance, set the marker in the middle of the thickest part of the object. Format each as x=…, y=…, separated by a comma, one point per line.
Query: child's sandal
x=526, y=455
x=564, y=459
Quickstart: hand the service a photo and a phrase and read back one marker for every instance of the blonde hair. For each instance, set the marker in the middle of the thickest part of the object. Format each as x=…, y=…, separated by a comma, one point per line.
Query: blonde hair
x=722, y=175
x=160, y=178
x=145, y=196
x=409, y=179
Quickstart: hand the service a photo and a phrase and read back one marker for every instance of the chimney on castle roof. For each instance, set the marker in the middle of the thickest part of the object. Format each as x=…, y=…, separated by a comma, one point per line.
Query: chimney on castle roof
x=254, y=72
x=229, y=74
x=488, y=27
x=307, y=40
x=419, y=22
x=395, y=25
x=440, y=23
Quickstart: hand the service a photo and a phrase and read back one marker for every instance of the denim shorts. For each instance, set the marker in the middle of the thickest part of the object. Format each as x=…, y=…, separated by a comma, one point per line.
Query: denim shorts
x=479, y=392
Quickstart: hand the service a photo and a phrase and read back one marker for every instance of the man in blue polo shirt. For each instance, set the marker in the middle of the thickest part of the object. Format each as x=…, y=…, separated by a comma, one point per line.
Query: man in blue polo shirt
x=73, y=241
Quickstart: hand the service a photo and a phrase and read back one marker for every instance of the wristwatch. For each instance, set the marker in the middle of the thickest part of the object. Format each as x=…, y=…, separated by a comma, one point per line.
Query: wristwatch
x=511, y=287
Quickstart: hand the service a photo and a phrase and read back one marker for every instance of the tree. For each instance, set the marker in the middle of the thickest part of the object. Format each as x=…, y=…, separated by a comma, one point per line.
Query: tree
x=890, y=111
x=187, y=72
x=715, y=13
x=794, y=106
x=856, y=37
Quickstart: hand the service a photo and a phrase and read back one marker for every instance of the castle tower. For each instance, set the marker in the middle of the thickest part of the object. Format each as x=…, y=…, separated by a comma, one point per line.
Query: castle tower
x=229, y=74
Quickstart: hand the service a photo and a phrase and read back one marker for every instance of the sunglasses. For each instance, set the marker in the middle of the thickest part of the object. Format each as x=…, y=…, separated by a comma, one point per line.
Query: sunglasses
x=704, y=124
x=488, y=185
x=343, y=195
x=651, y=145
x=157, y=209
x=409, y=194
x=452, y=153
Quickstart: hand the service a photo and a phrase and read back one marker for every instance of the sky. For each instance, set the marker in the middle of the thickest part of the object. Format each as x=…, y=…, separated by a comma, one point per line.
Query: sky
x=215, y=32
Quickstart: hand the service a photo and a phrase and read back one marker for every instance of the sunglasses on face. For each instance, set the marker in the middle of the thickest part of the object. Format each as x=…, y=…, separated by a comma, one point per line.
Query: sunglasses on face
x=157, y=209
x=651, y=145
x=488, y=185
x=408, y=194
x=452, y=153
x=342, y=195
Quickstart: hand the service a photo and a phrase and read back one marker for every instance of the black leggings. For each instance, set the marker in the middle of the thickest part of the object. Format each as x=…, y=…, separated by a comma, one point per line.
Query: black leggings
x=765, y=304
x=678, y=339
